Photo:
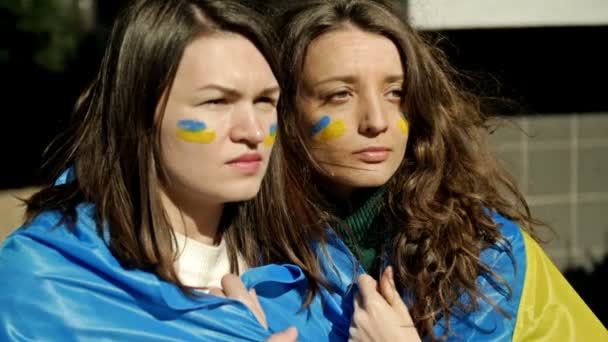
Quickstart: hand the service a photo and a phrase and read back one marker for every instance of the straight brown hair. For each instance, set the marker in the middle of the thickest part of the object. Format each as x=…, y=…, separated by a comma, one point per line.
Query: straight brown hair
x=112, y=145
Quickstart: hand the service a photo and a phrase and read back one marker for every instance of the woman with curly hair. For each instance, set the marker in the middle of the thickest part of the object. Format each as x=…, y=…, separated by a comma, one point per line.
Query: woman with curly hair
x=381, y=144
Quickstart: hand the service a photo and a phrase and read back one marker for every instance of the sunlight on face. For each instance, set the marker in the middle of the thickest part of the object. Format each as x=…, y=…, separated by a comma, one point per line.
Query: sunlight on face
x=351, y=104
x=216, y=133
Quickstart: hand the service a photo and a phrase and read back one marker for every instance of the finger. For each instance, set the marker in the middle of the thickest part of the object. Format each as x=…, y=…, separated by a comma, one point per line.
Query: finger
x=289, y=335
x=234, y=288
x=355, y=323
x=362, y=325
x=358, y=303
x=358, y=313
x=388, y=290
x=367, y=288
x=216, y=291
x=360, y=317
x=254, y=296
x=386, y=286
x=256, y=302
x=353, y=334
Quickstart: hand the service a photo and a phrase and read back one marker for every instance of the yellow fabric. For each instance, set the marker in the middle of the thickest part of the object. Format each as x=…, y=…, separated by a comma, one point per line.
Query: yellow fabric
x=550, y=309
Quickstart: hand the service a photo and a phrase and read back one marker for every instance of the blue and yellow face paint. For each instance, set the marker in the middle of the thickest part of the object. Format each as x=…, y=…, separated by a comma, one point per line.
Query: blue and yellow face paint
x=195, y=131
x=326, y=129
x=270, y=138
x=403, y=124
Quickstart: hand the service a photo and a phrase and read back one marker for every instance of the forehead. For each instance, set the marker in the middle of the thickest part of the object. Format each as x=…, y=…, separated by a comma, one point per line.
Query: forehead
x=351, y=50
x=225, y=56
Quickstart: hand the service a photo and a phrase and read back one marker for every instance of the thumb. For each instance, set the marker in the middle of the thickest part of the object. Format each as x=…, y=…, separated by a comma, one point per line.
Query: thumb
x=289, y=335
x=388, y=290
x=387, y=287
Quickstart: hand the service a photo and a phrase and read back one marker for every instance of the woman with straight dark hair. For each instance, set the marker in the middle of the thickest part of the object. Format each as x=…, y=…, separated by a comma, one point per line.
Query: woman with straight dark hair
x=151, y=204
x=381, y=144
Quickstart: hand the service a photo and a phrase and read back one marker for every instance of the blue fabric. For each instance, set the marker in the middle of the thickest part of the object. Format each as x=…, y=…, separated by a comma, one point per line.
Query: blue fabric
x=508, y=260
x=62, y=285
x=58, y=284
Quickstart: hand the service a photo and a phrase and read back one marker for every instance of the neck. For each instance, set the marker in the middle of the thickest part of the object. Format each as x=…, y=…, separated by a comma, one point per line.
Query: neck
x=363, y=230
x=367, y=203
x=346, y=204
x=193, y=217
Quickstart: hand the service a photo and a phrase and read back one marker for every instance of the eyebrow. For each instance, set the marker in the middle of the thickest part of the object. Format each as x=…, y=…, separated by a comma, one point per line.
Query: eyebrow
x=352, y=79
x=270, y=91
x=233, y=92
x=223, y=89
x=394, y=78
x=345, y=79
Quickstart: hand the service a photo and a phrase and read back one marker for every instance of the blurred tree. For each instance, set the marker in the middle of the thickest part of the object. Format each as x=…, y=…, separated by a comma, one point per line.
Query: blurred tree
x=61, y=25
x=49, y=51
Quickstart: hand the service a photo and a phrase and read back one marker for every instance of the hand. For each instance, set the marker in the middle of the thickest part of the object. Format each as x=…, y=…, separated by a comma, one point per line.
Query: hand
x=233, y=287
x=381, y=315
x=289, y=335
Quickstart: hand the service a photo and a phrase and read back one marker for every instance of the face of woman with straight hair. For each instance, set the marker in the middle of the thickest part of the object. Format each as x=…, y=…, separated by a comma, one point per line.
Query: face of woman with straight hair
x=350, y=101
x=219, y=121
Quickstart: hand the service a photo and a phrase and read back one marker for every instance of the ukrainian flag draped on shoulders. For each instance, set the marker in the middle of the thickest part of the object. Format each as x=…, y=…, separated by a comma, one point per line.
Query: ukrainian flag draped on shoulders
x=540, y=305
x=64, y=284
x=60, y=284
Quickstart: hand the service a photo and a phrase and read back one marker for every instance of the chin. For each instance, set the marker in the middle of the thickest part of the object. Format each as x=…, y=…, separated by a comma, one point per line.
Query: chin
x=365, y=181
x=238, y=193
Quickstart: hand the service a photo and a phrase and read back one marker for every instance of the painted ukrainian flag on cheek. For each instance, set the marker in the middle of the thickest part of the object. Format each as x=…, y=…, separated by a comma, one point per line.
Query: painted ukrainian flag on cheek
x=403, y=124
x=270, y=138
x=325, y=129
x=195, y=131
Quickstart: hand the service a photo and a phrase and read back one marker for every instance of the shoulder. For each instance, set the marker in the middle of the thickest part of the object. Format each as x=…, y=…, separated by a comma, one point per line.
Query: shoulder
x=50, y=231
x=32, y=264
x=507, y=257
x=507, y=261
x=31, y=240
x=499, y=290
x=511, y=234
x=548, y=305
x=48, y=249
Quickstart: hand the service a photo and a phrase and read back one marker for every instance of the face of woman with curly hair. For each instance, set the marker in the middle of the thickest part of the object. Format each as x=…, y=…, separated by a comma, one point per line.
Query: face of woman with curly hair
x=350, y=101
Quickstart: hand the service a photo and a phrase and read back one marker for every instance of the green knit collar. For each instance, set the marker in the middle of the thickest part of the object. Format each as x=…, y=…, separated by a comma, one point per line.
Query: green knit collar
x=360, y=222
x=363, y=231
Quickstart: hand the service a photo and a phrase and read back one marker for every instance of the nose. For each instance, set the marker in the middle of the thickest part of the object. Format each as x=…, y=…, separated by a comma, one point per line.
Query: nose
x=246, y=126
x=373, y=120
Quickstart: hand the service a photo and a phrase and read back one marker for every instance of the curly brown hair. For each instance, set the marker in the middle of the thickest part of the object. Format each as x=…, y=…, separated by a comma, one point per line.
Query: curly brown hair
x=440, y=198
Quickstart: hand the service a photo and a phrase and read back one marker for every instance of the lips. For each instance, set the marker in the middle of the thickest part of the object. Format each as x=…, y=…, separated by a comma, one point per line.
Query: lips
x=375, y=154
x=248, y=163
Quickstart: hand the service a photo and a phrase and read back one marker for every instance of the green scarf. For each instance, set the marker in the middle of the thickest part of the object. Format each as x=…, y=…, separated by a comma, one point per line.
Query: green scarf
x=363, y=232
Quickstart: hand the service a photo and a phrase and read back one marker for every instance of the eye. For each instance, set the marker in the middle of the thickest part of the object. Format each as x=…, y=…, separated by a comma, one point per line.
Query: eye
x=215, y=102
x=267, y=100
x=396, y=93
x=338, y=96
